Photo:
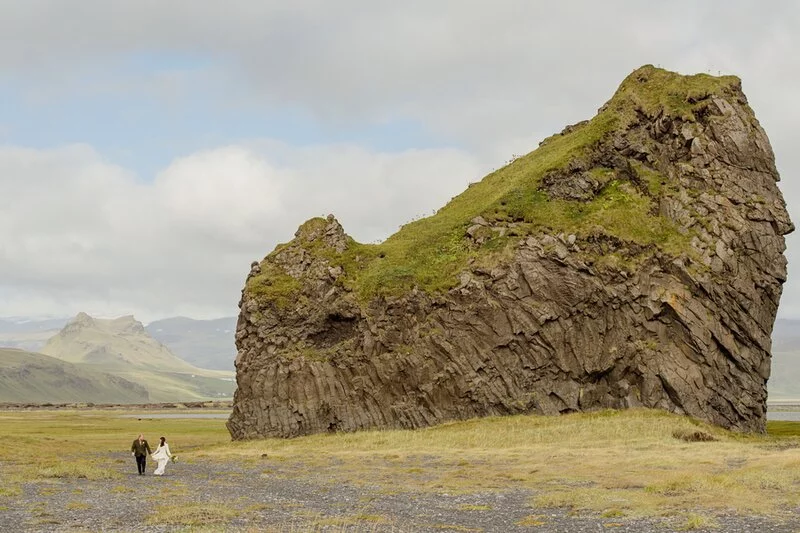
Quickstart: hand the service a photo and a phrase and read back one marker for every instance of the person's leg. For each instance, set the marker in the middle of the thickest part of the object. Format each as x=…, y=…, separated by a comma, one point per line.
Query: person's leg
x=140, y=463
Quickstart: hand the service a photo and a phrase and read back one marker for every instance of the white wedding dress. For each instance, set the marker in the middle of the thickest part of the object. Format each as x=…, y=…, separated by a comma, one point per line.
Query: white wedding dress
x=162, y=455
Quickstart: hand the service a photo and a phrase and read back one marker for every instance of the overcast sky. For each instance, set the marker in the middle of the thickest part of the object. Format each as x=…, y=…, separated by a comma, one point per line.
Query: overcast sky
x=150, y=150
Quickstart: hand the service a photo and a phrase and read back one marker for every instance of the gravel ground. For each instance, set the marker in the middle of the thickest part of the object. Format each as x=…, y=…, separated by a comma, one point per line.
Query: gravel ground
x=269, y=496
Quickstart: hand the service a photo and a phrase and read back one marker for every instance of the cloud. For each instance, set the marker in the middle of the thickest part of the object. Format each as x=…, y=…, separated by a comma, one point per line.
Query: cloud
x=75, y=228
x=488, y=79
x=226, y=193
x=470, y=72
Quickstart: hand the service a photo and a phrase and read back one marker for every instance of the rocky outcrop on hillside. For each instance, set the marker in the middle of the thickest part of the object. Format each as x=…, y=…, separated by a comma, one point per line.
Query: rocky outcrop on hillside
x=120, y=341
x=123, y=348
x=559, y=321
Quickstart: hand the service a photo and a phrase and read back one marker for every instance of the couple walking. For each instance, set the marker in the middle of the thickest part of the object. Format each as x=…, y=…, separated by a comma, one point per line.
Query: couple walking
x=140, y=450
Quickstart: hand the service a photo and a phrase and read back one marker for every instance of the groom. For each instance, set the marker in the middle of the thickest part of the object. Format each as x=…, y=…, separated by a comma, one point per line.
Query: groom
x=140, y=449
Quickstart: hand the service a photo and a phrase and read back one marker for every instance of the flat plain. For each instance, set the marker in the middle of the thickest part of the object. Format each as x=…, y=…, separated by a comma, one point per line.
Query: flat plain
x=637, y=470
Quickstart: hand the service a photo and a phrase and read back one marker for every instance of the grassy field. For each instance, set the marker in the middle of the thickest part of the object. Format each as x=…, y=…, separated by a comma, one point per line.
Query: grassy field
x=612, y=464
x=633, y=463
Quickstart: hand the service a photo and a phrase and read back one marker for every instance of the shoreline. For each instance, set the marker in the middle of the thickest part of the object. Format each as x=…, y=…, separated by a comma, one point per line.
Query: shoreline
x=194, y=405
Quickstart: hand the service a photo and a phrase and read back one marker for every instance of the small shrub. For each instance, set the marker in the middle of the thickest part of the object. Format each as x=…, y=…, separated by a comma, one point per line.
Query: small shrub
x=468, y=507
x=533, y=520
x=76, y=471
x=693, y=436
x=78, y=506
x=10, y=491
x=696, y=521
x=190, y=514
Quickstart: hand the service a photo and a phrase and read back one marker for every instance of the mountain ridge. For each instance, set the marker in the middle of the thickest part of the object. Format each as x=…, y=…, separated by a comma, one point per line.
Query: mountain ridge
x=122, y=347
x=27, y=377
x=204, y=343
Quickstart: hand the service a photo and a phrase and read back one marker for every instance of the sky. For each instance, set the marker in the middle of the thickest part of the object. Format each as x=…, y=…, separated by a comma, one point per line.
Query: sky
x=150, y=150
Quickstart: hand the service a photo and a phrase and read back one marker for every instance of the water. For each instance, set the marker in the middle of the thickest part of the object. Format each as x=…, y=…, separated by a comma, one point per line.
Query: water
x=791, y=416
x=178, y=415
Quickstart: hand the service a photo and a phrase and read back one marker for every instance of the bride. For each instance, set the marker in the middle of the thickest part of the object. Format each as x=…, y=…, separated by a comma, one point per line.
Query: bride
x=162, y=455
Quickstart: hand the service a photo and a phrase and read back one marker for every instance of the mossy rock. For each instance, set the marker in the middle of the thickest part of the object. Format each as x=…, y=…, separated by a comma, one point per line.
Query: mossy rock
x=429, y=253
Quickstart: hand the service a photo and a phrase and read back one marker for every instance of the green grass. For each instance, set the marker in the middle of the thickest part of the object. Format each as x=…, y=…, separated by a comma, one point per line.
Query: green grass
x=780, y=428
x=10, y=491
x=473, y=507
x=28, y=377
x=654, y=90
x=274, y=283
x=695, y=521
x=430, y=252
x=534, y=520
x=52, y=444
x=94, y=470
x=78, y=506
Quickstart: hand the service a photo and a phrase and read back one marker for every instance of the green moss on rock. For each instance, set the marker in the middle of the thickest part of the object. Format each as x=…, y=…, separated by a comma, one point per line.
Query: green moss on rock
x=430, y=252
x=273, y=284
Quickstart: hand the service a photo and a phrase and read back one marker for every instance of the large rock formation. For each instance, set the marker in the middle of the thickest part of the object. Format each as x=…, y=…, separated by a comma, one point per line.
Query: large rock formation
x=632, y=260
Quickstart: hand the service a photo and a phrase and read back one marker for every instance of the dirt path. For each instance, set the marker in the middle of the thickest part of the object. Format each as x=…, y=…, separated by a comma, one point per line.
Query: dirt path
x=271, y=496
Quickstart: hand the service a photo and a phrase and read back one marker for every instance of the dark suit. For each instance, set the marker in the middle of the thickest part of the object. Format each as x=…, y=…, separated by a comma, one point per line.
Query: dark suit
x=140, y=450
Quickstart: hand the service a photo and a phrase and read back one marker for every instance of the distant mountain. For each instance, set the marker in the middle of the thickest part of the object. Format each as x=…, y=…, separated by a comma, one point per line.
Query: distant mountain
x=784, y=382
x=35, y=378
x=29, y=334
x=30, y=325
x=112, y=342
x=123, y=347
x=203, y=343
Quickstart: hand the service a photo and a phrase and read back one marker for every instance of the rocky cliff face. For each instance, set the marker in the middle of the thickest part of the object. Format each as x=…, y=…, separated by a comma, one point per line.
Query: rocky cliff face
x=632, y=260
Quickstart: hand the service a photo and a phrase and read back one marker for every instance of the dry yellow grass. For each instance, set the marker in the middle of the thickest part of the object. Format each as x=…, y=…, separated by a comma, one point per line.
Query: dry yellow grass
x=616, y=464
x=86, y=469
x=193, y=514
x=78, y=506
x=67, y=444
x=620, y=463
x=366, y=521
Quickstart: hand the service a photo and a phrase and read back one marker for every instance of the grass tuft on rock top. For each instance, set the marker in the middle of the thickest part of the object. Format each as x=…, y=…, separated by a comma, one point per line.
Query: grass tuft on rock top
x=274, y=284
x=430, y=252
